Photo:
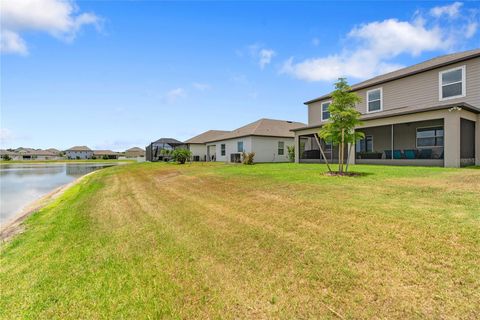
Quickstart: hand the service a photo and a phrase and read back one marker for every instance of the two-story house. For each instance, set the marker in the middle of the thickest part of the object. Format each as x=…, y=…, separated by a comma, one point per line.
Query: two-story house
x=79, y=152
x=425, y=114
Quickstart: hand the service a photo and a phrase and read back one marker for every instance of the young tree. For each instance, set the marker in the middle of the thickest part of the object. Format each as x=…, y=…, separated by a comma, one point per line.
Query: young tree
x=340, y=128
x=181, y=155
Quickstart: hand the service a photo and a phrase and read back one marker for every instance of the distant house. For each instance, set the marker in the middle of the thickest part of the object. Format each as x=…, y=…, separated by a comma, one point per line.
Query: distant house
x=54, y=151
x=268, y=138
x=105, y=154
x=79, y=152
x=159, y=150
x=35, y=154
x=134, y=152
x=197, y=145
x=11, y=155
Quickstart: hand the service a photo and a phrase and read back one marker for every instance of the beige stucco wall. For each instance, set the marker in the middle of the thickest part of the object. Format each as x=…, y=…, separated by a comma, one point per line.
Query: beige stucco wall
x=230, y=147
x=198, y=150
x=419, y=91
x=266, y=149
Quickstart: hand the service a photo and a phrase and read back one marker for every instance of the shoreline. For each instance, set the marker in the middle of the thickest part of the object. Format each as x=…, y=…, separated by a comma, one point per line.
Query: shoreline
x=14, y=226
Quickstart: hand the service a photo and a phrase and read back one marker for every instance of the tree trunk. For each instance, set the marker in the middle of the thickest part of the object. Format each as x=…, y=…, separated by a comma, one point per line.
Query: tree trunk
x=323, y=154
x=342, y=151
x=348, y=157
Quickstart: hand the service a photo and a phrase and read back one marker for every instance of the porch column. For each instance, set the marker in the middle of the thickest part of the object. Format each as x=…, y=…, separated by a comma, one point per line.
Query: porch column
x=297, y=148
x=452, y=139
x=477, y=141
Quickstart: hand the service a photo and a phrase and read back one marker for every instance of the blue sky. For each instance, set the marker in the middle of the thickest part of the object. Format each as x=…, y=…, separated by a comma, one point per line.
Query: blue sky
x=117, y=74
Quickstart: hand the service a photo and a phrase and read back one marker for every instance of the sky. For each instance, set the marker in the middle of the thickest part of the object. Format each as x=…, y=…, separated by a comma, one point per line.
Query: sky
x=118, y=74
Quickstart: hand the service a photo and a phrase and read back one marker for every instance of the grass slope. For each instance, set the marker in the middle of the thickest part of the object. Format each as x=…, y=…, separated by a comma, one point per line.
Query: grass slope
x=149, y=241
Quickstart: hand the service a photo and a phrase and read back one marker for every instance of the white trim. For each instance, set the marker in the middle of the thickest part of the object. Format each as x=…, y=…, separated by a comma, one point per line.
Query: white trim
x=381, y=100
x=429, y=147
x=464, y=83
x=321, y=110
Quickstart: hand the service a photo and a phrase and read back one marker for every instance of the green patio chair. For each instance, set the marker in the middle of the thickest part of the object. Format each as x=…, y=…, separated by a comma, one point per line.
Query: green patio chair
x=410, y=154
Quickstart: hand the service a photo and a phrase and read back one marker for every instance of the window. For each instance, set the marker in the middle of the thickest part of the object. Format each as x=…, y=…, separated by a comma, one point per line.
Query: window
x=325, y=112
x=240, y=146
x=222, y=149
x=430, y=137
x=328, y=146
x=281, y=148
x=374, y=100
x=365, y=145
x=452, y=83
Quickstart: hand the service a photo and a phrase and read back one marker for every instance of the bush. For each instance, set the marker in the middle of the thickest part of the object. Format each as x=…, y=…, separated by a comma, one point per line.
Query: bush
x=181, y=155
x=105, y=157
x=291, y=153
x=6, y=157
x=247, y=158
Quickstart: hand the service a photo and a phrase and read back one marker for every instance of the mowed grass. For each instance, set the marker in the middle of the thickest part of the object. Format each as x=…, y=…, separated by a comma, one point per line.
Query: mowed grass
x=203, y=241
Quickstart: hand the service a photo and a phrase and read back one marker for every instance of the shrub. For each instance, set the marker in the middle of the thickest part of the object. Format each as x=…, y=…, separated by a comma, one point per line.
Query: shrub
x=105, y=157
x=181, y=155
x=6, y=157
x=247, y=158
x=291, y=153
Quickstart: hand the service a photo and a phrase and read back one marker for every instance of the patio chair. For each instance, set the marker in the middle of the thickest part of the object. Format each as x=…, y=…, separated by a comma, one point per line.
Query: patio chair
x=410, y=154
x=425, y=154
x=388, y=154
x=397, y=154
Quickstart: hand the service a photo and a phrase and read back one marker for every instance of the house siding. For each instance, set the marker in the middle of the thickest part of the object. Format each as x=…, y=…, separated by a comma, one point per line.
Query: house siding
x=199, y=150
x=266, y=149
x=418, y=91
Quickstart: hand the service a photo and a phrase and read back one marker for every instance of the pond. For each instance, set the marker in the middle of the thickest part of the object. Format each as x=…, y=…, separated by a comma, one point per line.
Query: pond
x=21, y=184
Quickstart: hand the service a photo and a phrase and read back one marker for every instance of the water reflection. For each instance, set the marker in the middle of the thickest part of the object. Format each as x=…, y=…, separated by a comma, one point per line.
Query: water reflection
x=21, y=184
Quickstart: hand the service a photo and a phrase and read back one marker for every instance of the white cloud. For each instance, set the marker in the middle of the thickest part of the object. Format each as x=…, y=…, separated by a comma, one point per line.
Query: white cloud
x=471, y=29
x=261, y=54
x=371, y=48
x=6, y=136
x=11, y=42
x=266, y=56
x=56, y=17
x=173, y=95
x=451, y=11
x=201, y=86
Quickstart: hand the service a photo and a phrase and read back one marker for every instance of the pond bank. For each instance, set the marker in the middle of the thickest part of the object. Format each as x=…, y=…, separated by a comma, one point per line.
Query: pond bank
x=14, y=225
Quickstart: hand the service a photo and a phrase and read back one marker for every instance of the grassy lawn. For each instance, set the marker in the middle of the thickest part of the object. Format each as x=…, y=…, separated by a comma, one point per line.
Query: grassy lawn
x=155, y=240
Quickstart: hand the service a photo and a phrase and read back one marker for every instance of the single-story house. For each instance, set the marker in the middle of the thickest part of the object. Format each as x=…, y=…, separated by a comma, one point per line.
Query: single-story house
x=160, y=149
x=426, y=114
x=267, y=138
x=105, y=154
x=79, y=152
x=197, y=145
x=11, y=155
x=134, y=152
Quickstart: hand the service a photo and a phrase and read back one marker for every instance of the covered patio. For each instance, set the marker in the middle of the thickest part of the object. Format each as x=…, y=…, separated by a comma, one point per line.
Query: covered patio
x=411, y=143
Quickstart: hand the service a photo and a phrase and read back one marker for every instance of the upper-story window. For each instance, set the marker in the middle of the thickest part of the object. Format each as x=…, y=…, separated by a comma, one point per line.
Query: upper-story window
x=452, y=83
x=325, y=112
x=374, y=100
